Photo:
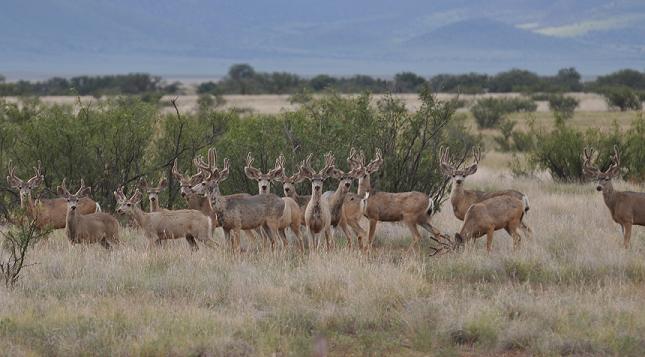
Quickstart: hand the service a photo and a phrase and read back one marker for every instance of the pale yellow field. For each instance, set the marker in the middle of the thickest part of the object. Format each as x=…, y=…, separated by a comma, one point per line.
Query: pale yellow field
x=571, y=290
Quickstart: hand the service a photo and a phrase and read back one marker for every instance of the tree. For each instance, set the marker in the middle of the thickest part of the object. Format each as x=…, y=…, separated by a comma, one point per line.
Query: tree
x=408, y=82
x=321, y=82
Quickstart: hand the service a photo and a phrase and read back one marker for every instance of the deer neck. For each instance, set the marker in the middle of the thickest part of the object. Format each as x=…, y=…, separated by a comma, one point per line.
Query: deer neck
x=609, y=195
x=154, y=206
x=217, y=201
x=139, y=216
x=71, y=224
x=28, y=204
x=364, y=186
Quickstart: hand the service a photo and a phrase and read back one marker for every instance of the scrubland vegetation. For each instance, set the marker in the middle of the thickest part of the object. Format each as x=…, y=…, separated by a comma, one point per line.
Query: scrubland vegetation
x=570, y=290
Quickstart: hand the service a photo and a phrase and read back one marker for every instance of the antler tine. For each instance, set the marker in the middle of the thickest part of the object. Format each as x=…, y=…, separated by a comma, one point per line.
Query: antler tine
x=63, y=185
x=37, y=169
x=279, y=167
x=329, y=162
x=305, y=166
x=249, y=160
x=280, y=161
x=175, y=171
x=12, y=174
x=587, y=167
x=616, y=157
x=477, y=154
x=80, y=189
x=212, y=158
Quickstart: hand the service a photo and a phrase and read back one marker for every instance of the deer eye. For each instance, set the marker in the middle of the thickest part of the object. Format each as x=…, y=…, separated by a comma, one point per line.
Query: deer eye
x=129, y=204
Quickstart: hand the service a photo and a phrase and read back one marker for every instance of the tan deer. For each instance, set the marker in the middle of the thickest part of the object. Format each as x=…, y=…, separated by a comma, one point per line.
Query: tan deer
x=318, y=214
x=412, y=208
x=344, y=206
x=96, y=227
x=289, y=190
x=161, y=225
x=236, y=213
x=292, y=216
x=49, y=213
x=153, y=192
x=485, y=217
x=201, y=202
x=461, y=199
x=627, y=208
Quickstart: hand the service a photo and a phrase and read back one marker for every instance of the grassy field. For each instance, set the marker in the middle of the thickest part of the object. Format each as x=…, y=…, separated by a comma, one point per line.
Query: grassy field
x=571, y=290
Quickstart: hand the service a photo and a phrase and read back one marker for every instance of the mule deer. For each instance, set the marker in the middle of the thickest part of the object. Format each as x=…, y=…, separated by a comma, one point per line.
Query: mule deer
x=462, y=199
x=289, y=190
x=626, y=207
x=317, y=214
x=153, y=192
x=235, y=213
x=161, y=225
x=484, y=218
x=198, y=201
x=412, y=208
x=49, y=213
x=344, y=206
x=292, y=216
x=96, y=227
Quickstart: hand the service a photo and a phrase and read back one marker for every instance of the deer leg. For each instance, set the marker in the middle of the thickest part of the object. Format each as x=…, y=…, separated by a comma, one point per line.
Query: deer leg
x=105, y=243
x=343, y=227
x=416, y=236
x=512, y=231
x=627, y=229
x=489, y=239
x=328, y=239
x=283, y=236
x=359, y=232
x=314, y=240
x=295, y=228
x=372, y=231
x=227, y=237
x=528, y=232
x=191, y=241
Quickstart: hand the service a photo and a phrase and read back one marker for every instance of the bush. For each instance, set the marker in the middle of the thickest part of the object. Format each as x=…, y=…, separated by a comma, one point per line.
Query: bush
x=562, y=106
x=15, y=244
x=622, y=98
x=488, y=112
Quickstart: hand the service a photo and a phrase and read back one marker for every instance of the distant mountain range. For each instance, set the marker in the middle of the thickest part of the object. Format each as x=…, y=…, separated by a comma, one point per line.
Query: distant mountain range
x=40, y=38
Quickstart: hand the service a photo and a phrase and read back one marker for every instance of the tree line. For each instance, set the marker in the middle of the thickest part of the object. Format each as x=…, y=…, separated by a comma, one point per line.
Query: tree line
x=244, y=79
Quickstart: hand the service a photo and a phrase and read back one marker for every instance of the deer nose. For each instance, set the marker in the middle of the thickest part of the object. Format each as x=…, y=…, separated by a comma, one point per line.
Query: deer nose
x=347, y=184
x=264, y=188
x=153, y=199
x=286, y=190
x=459, y=180
x=317, y=188
x=599, y=188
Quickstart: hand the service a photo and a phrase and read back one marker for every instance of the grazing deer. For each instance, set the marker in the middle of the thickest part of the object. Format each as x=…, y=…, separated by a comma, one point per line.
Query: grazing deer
x=317, y=214
x=485, y=217
x=412, y=208
x=153, y=192
x=200, y=202
x=235, y=213
x=49, y=213
x=96, y=227
x=462, y=199
x=292, y=215
x=345, y=206
x=161, y=225
x=626, y=207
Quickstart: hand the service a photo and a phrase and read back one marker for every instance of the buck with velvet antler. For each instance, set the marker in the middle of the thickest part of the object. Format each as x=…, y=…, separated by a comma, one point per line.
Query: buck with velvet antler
x=627, y=208
x=461, y=199
x=412, y=208
x=96, y=227
x=153, y=192
x=289, y=190
x=344, y=206
x=49, y=213
x=292, y=215
x=190, y=224
x=236, y=213
x=317, y=214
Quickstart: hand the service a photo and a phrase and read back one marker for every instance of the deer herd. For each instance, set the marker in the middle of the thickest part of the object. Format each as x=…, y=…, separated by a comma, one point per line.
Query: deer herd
x=265, y=217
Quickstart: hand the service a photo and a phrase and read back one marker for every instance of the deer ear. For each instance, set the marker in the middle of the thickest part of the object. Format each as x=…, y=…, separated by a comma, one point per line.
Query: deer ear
x=446, y=170
x=471, y=170
x=61, y=191
x=251, y=173
x=163, y=183
x=86, y=191
x=143, y=183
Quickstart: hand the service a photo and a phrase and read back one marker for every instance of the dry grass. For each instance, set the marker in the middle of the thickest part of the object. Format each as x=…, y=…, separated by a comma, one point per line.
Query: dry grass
x=572, y=290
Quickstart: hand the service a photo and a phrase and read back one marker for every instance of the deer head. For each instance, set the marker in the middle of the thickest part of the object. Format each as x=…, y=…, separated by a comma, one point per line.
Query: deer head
x=288, y=182
x=185, y=182
x=264, y=180
x=72, y=199
x=449, y=170
x=317, y=178
x=125, y=205
x=153, y=191
x=345, y=178
x=23, y=187
x=592, y=172
x=362, y=172
x=211, y=174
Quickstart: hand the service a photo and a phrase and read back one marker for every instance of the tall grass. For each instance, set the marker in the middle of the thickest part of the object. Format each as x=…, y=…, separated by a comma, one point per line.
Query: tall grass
x=571, y=290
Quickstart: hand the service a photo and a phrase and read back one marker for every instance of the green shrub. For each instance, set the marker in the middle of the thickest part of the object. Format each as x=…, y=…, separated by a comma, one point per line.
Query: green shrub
x=562, y=106
x=488, y=112
x=622, y=98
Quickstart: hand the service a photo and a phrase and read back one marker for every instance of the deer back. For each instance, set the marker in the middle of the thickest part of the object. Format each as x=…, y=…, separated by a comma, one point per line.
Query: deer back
x=53, y=212
x=497, y=213
x=91, y=228
x=178, y=223
x=251, y=211
x=392, y=207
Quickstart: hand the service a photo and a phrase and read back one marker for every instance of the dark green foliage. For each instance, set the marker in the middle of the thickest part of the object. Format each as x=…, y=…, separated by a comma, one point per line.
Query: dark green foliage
x=624, y=77
x=623, y=98
x=116, y=142
x=562, y=106
x=407, y=82
x=488, y=112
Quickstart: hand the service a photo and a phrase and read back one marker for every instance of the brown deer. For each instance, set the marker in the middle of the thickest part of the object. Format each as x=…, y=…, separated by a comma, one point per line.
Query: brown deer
x=96, y=227
x=153, y=192
x=235, y=213
x=462, y=199
x=412, y=208
x=292, y=216
x=344, y=206
x=289, y=190
x=485, y=217
x=626, y=207
x=201, y=202
x=318, y=214
x=49, y=213
x=161, y=225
